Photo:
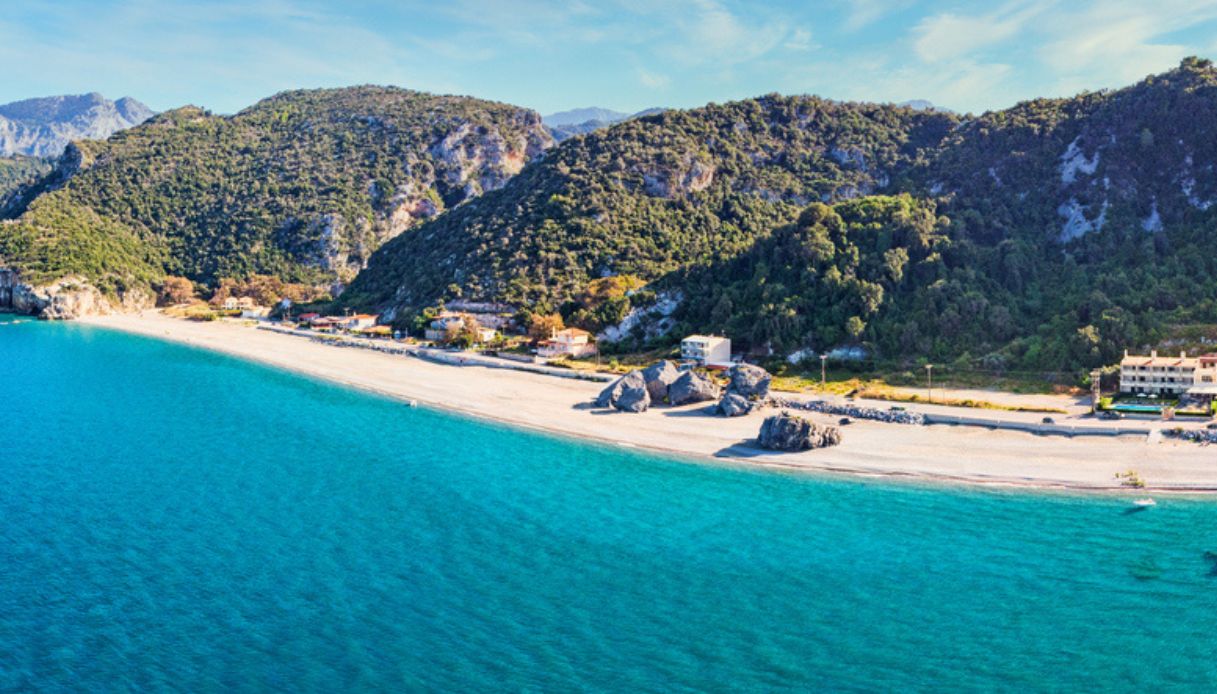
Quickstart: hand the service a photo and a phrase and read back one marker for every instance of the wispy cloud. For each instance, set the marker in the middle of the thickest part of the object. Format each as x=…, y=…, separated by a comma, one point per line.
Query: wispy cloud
x=948, y=36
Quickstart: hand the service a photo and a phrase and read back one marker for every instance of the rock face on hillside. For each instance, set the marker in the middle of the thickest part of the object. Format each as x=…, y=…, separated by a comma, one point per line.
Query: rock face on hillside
x=659, y=377
x=627, y=394
x=43, y=127
x=787, y=432
x=692, y=387
x=73, y=297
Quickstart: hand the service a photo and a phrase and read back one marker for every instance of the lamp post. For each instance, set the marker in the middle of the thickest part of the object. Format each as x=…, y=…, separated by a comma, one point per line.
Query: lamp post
x=823, y=371
x=929, y=382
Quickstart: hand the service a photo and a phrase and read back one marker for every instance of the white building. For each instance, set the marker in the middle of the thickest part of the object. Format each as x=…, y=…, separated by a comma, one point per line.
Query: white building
x=437, y=330
x=706, y=350
x=571, y=342
x=359, y=321
x=1155, y=375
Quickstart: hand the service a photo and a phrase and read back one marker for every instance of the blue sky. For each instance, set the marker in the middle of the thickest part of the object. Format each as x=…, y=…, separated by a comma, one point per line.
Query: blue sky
x=622, y=54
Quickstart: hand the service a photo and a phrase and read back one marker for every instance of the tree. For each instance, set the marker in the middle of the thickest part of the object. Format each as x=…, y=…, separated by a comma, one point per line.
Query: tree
x=542, y=327
x=176, y=290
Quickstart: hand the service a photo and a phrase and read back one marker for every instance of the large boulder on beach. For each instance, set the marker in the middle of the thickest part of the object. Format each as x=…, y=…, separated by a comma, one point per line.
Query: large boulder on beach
x=628, y=393
x=692, y=387
x=659, y=377
x=749, y=381
x=735, y=405
x=787, y=432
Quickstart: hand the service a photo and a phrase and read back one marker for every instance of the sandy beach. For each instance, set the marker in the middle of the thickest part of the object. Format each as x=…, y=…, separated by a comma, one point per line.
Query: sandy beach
x=562, y=406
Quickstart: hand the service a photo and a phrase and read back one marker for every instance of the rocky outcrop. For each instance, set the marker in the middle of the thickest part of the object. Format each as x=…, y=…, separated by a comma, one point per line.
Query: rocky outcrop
x=690, y=388
x=73, y=297
x=736, y=405
x=659, y=376
x=627, y=394
x=787, y=432
x=748, y=390
x=750, y=381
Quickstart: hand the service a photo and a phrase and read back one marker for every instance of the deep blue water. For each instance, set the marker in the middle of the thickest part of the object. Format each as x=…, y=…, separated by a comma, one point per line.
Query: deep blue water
x=175, y=519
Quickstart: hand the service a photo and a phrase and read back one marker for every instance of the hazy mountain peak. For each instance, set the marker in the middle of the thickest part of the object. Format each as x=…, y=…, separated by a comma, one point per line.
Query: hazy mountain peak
x=42, y=127
x=582, y=115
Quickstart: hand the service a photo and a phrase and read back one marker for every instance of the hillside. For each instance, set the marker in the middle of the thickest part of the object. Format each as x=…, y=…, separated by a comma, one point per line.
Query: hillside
x=1058, y=231
x=651, y=195
x=43, y=127
x=16, y=171
x=303, y=185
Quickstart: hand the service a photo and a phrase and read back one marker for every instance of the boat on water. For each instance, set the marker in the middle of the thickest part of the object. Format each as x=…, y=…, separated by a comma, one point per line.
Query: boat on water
x=1144, y=502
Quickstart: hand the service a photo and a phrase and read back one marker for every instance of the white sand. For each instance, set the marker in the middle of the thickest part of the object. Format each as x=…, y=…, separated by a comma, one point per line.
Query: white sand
x=959, y=454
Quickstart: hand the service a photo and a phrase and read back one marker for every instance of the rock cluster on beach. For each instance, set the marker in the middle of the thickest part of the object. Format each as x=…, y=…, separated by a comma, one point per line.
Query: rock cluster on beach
x=627, y=394
x=854, y=411
x=787, y=432
x=1201, y=436
x=748, y=390
x=659, y=377
x=692, y=387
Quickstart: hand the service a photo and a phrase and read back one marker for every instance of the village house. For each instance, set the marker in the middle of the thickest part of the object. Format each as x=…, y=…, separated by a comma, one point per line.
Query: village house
x=571, y=342
x=359, y=321
x=706, y=350
x=1172, y=376
x=437, y=330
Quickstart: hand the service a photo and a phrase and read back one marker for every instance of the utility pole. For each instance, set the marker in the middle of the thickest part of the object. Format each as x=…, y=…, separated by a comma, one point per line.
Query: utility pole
x=929, y=382
x=1096, y=390
x=823, y=371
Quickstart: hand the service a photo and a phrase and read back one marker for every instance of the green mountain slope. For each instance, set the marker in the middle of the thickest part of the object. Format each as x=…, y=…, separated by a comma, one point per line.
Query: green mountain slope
x=17, y=171
x=303, y=185
x=651, y=195
x=1057, y=232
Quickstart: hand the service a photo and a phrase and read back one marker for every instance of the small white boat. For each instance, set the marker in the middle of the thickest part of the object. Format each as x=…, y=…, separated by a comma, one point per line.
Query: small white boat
x=1145, y=502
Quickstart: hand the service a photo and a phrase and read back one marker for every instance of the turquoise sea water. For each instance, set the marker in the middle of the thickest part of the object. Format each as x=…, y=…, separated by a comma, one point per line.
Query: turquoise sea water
x=171, y=519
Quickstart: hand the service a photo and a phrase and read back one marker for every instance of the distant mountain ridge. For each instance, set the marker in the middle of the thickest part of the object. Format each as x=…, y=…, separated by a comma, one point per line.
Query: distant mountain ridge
x=44, y=126
x=579, y=121
x=581, y=115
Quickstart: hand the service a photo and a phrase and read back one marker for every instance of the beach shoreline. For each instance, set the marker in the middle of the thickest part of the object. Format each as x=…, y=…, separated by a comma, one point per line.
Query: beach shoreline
x=558, y=406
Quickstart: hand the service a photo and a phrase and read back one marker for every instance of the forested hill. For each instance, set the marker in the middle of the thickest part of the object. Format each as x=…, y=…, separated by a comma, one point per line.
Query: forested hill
x=652, y=195
x=1054, y=233
x=303, y=185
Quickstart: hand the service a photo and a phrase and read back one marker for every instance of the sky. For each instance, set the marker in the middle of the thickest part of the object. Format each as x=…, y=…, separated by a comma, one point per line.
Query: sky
x=621, y=54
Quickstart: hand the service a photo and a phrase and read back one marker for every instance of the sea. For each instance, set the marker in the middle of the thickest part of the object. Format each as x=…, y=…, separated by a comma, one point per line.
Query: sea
x=177, y=520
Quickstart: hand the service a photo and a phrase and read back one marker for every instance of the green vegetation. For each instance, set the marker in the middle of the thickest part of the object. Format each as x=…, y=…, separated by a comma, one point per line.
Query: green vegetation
x=18, y=171
x=303, y=186
x=647, y=197
x=1044, y=239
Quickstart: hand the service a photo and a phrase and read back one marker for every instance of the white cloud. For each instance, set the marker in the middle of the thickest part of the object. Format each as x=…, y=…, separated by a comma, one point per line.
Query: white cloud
x=799, y=40
x=652, y=80
x=949, y=36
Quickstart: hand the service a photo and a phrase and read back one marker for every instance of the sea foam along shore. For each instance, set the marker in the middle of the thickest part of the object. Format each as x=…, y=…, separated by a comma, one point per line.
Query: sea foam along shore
x=561, y=406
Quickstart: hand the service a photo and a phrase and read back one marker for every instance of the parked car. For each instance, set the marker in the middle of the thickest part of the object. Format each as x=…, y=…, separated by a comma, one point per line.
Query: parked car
x=845, y=420
x=1213, y=425
x=1048, y=420
x=1108, y=414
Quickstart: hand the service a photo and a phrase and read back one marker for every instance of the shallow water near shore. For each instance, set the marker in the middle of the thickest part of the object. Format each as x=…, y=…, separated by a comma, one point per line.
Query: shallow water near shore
x=177, y=519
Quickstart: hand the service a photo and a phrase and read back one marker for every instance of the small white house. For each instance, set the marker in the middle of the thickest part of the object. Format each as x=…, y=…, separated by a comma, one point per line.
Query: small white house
x=359, y=321
x=571, y=342
x=707, y=350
